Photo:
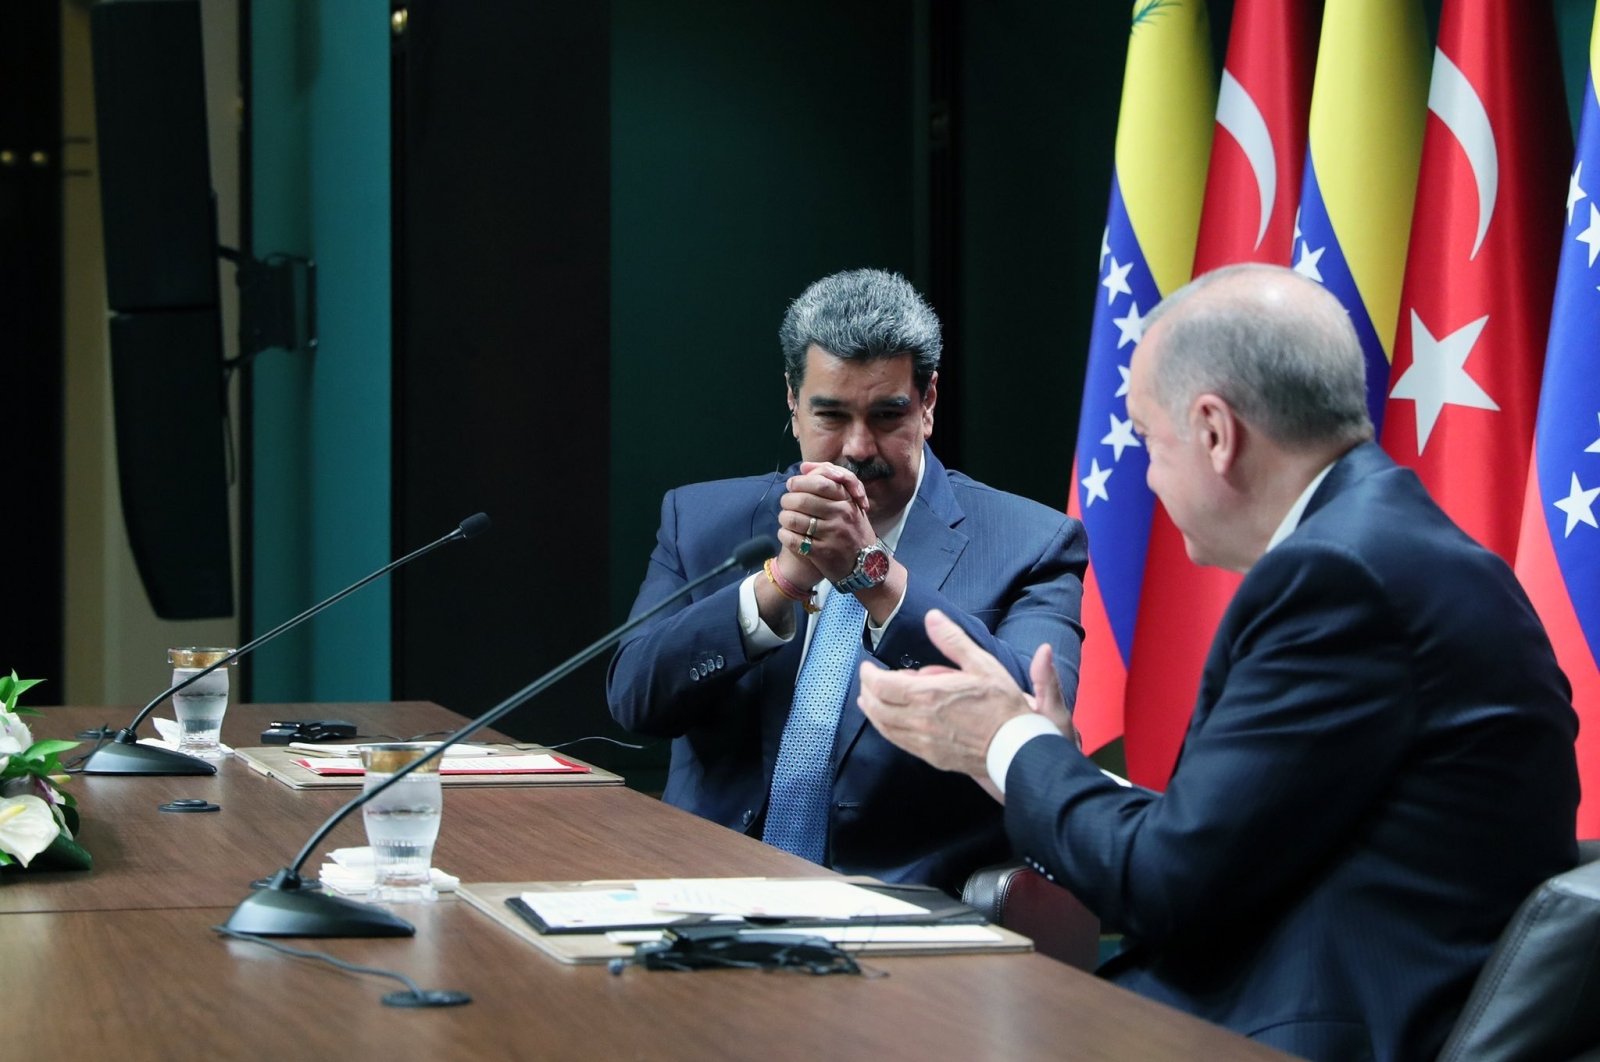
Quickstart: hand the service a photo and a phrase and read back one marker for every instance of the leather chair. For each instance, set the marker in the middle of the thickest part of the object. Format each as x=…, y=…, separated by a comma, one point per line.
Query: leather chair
x=1537, y=999
x=1020, y=899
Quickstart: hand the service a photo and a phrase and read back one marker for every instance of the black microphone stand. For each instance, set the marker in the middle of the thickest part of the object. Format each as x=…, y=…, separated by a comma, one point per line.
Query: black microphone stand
x=124, y=755
x=285, y=908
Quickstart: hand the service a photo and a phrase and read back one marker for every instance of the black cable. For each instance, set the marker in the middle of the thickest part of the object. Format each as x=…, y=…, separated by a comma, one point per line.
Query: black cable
x=593, y=737
x=101, y=735
x=418, y=997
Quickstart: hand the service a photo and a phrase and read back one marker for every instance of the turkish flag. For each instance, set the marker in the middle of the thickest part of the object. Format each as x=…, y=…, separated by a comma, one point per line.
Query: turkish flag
x=1481, y=269
x=1258, y=154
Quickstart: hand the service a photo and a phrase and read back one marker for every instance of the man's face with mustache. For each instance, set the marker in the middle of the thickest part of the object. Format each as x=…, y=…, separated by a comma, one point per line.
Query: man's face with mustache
x=868, y=416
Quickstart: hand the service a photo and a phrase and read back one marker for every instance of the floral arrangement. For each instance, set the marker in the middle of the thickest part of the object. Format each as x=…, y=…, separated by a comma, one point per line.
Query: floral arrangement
x=37, y=819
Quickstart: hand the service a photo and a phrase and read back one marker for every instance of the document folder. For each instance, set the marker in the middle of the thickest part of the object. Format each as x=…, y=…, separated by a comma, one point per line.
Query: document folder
x=962, y=931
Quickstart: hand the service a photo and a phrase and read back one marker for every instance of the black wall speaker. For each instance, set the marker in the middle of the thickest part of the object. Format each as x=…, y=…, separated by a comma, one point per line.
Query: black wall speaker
x=168, y=391
x=155, y=169
x=167, y=397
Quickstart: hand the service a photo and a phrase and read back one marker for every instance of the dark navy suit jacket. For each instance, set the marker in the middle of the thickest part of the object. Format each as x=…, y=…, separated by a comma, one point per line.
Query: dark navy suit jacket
x=1008, y=569
x=1379, y=768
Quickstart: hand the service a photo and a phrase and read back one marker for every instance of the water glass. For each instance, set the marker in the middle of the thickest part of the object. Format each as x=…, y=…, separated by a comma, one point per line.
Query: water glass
x=402, y=821
x=200, y=707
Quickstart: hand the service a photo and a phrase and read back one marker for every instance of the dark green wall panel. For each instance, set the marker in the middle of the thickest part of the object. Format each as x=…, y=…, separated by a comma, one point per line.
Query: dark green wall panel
x=755, y=148
x=320, y=447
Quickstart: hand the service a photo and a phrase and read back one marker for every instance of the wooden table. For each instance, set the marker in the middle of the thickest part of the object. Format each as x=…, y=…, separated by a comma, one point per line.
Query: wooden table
x=121, y=960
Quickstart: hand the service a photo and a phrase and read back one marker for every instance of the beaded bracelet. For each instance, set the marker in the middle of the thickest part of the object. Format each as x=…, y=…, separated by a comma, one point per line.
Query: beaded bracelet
x=789, y=590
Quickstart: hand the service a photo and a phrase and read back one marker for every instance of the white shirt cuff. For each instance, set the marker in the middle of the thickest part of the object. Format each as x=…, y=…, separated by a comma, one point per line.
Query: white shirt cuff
x=874, y=633
x=758, y=638
x=1008, y=741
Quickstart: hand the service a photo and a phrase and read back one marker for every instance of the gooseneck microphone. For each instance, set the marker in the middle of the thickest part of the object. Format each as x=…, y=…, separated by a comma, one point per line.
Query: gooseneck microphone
x=284, y=907
x=124, y=755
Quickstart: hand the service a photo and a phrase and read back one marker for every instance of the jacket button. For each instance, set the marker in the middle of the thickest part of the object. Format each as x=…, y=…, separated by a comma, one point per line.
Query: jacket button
x=908, y=661
x=719, y=661
x=694, y=675
x=747, y=817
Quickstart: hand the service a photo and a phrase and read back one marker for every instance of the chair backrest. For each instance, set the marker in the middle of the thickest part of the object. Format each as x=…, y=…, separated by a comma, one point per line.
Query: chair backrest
x=1023, y=901
x=1538, y=996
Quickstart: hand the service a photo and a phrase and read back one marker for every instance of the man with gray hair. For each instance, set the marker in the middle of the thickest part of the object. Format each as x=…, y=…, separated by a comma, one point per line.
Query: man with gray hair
x=754, y=678
x=1379, y=765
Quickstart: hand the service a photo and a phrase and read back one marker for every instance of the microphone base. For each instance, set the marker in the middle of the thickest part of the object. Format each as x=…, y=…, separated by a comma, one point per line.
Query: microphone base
x=283, y=912
x=130, y=757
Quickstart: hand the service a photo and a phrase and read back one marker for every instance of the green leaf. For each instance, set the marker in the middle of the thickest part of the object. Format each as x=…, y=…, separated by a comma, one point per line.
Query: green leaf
x=5, y=860
x=63, y=854
x=12, y=687
x=48, y=747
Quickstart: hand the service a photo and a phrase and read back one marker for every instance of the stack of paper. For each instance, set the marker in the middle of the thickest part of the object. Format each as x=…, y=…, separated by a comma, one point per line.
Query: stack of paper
x=529, y=763
x=659, y=903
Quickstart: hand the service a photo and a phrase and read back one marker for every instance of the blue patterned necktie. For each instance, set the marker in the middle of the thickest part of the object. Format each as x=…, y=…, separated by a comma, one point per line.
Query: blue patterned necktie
x=802, y=779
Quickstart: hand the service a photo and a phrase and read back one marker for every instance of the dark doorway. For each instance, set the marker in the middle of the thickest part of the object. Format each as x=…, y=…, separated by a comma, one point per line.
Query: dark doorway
x=31, y=370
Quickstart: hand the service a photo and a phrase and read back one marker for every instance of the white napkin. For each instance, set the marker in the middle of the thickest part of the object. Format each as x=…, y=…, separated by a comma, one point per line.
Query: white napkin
x=171, y=734
x=352, y=872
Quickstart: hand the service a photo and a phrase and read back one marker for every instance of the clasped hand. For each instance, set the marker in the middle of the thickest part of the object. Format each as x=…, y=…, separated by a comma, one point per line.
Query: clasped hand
x=835, y=499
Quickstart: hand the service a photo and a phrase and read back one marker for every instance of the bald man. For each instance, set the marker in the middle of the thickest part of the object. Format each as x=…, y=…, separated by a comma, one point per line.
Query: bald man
x=1379, y=765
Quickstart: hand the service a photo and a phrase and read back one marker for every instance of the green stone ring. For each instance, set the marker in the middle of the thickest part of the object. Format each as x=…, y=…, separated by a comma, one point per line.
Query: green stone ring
x=805, y=545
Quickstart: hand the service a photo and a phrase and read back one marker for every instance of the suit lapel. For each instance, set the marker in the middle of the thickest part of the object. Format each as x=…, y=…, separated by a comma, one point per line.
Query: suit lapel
x=929, y=547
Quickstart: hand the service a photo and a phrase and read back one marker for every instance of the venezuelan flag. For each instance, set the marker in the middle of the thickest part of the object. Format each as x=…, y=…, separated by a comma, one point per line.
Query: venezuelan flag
x=1252, y=192
x=1558, y=552
x=1163, y=143
x=1368, y=110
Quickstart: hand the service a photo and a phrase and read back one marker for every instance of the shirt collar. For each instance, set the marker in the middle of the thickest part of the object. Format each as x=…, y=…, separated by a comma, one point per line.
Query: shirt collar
x=1291, y=520
x=891, y=538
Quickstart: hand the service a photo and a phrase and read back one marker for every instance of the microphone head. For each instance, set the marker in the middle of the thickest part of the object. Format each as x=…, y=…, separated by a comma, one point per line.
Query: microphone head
x=474, y=525
x=752, y=552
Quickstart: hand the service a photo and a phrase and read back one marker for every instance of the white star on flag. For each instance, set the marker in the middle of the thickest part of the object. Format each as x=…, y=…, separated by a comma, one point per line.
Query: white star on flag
x=1296, y=237
x=1578, y=505
x=1594, y=447
x=1307, y=266
x=1122, y=388
x=1116, y=281
x=1437, y=376
x=1131, y=327
x=1095, y=483
x=1574, y=193
x=1590, y=235
x=1121, y=436
x=1105, y=242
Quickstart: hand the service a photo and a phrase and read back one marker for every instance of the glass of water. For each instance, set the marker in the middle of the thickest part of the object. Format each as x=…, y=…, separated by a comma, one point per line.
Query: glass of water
x=200, y=707
x=402, y=821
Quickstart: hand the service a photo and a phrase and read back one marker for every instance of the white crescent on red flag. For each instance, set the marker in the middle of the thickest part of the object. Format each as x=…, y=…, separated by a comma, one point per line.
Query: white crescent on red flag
x=1481, y=267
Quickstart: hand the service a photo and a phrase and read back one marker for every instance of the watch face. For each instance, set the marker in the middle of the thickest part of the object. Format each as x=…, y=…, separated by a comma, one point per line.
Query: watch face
x=875, y=565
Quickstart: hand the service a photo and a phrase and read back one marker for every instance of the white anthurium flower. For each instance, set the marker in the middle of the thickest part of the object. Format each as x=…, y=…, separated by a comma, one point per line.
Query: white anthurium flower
x=32, y=785
x=14, y=733
x=26, y=827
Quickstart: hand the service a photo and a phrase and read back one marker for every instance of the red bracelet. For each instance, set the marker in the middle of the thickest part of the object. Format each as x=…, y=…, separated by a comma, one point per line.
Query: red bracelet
x=808, y=601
